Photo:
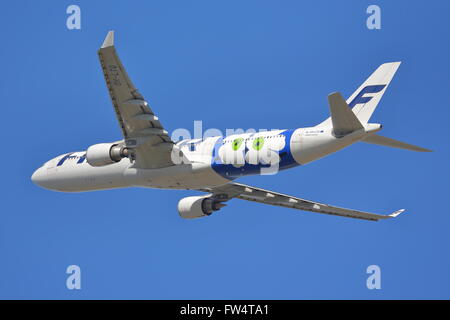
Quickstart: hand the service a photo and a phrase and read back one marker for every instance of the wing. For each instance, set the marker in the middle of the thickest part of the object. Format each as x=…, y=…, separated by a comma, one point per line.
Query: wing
x=244, y=192
x=142, y=130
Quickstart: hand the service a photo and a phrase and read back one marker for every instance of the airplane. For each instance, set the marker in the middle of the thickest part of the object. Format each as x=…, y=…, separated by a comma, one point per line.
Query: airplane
x=147, y=156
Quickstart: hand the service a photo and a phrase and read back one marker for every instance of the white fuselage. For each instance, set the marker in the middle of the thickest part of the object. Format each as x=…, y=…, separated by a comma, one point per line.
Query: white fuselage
x=212, y=161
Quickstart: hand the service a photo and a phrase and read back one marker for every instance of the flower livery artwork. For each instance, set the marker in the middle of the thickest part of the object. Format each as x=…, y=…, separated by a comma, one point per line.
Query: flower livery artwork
x=257, y=152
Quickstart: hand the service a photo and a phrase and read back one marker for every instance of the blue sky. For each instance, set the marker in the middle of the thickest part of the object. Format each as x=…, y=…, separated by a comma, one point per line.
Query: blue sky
x=231, y=64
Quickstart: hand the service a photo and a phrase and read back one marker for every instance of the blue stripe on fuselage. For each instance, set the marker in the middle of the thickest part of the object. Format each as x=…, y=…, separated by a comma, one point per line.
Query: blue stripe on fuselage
x=232, y=172
x=71, y=156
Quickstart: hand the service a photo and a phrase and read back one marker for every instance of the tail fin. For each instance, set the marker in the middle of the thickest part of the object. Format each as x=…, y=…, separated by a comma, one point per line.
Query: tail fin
x=388, y=142
x=365, y=99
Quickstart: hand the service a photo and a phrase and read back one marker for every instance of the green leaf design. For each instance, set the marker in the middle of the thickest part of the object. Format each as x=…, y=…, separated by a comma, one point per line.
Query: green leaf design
x=237, y=143
x=258, y=143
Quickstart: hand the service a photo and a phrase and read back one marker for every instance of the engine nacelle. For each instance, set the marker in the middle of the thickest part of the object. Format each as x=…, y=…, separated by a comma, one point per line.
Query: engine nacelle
x=102, y=154
x=200, y=206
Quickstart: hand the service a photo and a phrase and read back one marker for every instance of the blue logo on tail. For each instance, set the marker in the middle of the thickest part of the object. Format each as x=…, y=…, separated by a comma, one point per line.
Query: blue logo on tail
x=369, y=89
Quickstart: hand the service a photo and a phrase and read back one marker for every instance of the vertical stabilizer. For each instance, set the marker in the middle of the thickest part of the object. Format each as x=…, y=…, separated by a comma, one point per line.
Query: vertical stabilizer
x=365, y=99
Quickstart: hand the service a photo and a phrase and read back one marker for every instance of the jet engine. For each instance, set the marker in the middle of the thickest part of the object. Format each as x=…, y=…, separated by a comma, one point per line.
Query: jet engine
x=200, y=206
x=103, y=154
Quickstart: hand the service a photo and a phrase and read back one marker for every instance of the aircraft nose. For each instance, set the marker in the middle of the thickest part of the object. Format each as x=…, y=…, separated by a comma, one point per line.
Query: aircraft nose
x=39, y=176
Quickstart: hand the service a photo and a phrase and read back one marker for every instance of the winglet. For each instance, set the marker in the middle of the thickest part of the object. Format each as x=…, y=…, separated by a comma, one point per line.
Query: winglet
x=396, y=213
x=109, y=40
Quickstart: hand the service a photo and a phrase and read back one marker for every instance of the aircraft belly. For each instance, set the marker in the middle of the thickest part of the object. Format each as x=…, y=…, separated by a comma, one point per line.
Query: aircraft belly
x=310, y=144
x=184, y=176
x=83, y=177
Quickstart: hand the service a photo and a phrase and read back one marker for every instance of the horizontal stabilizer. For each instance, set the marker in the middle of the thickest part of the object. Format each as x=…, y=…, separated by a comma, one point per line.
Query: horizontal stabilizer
x=388, y=142
x=342, y=117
